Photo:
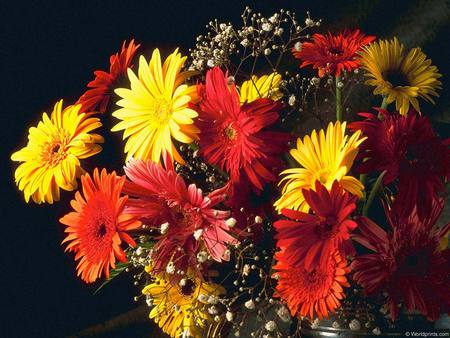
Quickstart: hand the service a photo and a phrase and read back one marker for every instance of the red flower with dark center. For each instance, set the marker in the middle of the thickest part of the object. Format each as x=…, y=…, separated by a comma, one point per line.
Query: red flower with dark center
x=98, y=225
x=406, y=263
x=234, y=137
x=186, y=219
x=310, y=239
x=98, y=97
x=331, y=54
x=310, y=293
x=408, y=149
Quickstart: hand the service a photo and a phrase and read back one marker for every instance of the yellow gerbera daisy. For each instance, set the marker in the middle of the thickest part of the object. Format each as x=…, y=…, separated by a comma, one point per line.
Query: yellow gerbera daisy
x=325, y=158
x=181, y=308
x=399, y=76
x=266, y=86
x=155, y=109
x=51, y=157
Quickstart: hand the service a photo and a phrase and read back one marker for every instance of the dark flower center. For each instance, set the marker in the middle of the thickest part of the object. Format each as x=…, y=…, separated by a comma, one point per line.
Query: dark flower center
x=335, y=51
x=325, y=227
x=56, y=148
x=188, y=288
x=101, y=230
x=395, y=77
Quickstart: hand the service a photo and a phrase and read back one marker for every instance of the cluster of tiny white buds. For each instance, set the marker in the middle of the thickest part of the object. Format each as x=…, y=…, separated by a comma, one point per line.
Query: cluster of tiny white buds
x=198, y=233
x=230, y=222
x=229, y=316
x=271, y=326
x=250, y=304
x=291, y=100
x=202, y=256
x=164, y=228
x=170, y=268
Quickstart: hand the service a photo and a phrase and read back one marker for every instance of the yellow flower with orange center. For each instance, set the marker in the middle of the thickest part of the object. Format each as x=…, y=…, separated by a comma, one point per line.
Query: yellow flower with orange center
x=51, y=159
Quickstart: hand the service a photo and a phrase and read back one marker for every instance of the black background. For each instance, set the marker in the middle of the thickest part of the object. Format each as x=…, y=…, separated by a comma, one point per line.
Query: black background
x=49, y=50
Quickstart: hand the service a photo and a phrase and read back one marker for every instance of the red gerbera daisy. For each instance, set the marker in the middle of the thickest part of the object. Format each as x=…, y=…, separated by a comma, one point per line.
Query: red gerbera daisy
x=185, y=218
x=331, y=54
x=406, y=263
x=311, y=293
x=408, y=149
x=98, y=225
x=97, y=98
x=311, y=239
x=233, y=136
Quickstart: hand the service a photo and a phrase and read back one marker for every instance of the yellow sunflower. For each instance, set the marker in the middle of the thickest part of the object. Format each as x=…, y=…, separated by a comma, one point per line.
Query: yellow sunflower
x=182, y=308
x=266, y=86
x=51, y=157
x=400, y=76
x=155, y=109
x=325, y=158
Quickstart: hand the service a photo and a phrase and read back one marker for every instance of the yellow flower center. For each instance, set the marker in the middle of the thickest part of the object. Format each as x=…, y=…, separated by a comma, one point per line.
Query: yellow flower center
x=161, y=109
x=230, y=132
x=323, y=176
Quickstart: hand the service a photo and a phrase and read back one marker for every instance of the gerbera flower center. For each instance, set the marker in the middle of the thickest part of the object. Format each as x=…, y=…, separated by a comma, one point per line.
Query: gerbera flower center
x=230, y=132
x=325, y=228
x=323, y=176
x=188, y=288
x=161, y=109
x=54, y=152
x=101, y=230
x=395, y=77
x=335, y=51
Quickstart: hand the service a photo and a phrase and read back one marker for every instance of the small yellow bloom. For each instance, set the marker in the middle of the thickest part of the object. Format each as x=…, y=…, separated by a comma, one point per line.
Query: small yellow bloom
x=156, y=108
x=324, y=158
x=267, y=86
x=51, y=157
x=183, y=307
x=399, y=76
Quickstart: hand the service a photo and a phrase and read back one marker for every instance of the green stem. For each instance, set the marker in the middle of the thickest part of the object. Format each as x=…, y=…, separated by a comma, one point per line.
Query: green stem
x=338, y=100
x=373, y=193
x=384, y=104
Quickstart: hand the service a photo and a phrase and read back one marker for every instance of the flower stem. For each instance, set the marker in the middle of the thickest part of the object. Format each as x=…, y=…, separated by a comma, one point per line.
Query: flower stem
x=338, y=100
x=384, y=104
x=373, y=194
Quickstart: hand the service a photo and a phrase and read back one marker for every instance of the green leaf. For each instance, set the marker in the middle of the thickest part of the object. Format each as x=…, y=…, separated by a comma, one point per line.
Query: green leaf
x=120, y=267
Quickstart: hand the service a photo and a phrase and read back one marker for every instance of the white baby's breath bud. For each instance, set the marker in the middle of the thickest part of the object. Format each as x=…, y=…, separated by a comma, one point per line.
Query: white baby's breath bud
x=229, y=316
x=212, y=310
x=267, y=51
x=376, y=331
x=279, y=31
x=149, y=300
x=283, y=313
x=230, y=80
x=315, y=323
x=258, y=219
x=315, y=81
x=340, y=84
x=266, y=26
x=270, y=326
x=139, y=251
x=222, y=26
x=292, y=99
x=250, y=304
x=170, y=268
x=230, y=222
x=183, y=282
x=309, y=22
x=198, y=233
x=298, y=46
x=210, y=63
x=237, y=334
x=226, y=255
x=164, y=227
x=213, y=300
x=246, y=270
x=355, y=325
x=202, y=256
x=245, y=42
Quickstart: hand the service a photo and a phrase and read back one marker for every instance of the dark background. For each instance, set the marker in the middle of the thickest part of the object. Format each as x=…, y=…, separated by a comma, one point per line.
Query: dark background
x=49, y=50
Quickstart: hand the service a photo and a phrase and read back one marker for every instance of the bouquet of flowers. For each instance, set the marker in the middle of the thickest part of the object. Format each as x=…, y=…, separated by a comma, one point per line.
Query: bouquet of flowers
x=256, y=199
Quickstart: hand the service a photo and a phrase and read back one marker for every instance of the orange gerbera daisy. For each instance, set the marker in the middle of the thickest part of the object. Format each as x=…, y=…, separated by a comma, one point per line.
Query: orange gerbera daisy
x=98, y=225
x=311, y=293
